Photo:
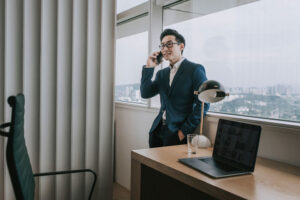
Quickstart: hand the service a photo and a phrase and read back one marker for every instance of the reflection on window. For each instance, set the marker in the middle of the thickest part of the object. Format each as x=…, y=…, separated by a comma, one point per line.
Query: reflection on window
x=131, y=55
x=123, y=5
x=253, y=51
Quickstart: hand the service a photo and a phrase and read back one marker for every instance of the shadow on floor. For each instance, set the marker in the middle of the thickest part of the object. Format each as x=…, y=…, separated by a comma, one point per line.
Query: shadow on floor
x=120, y=192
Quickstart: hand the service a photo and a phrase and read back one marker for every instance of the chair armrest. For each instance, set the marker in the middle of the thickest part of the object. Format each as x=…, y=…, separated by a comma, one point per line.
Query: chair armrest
x=71, y=172
x=2, y=126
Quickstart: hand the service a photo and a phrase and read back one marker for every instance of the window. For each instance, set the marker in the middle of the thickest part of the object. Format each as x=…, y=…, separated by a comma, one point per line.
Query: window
x=123, y=5
x=251, y=49
x=131, y=55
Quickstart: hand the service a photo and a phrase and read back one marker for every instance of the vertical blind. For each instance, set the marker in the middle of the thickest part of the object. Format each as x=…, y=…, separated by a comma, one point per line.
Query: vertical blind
x=60, y=54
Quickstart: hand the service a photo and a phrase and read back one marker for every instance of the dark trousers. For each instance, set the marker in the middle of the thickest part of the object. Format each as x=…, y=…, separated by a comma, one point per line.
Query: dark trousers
x=162, y=136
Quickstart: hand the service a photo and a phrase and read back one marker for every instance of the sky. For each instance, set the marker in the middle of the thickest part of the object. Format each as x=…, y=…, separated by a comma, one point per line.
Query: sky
x=254, y=45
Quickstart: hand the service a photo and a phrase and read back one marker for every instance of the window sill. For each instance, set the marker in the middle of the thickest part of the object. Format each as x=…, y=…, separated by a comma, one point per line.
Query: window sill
x=211, y=116
x=134, y=106
x=214, y=117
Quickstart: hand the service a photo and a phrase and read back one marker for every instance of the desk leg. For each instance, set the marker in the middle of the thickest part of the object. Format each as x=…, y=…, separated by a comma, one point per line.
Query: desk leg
x=135, y=180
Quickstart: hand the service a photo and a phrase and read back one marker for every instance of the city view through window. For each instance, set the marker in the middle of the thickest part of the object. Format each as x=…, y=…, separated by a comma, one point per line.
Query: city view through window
x=251, y=49
x=131, y=55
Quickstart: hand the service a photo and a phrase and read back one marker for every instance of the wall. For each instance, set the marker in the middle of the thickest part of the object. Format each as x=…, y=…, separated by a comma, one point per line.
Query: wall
x=133, y=124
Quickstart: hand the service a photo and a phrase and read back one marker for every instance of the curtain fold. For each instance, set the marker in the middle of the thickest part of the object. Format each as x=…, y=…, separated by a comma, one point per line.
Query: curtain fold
x=31, y=78
x=64, y=96
x=78, y=90
x=48, y=79
x=2, y=50
x=92, y=87
x=13, y=75
x=60, y=54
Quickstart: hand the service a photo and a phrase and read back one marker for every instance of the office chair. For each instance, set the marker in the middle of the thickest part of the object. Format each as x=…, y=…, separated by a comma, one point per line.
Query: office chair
x=17, y=157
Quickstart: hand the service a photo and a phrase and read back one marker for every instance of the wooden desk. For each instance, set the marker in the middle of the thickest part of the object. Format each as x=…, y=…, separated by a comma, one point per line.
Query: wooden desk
x=270, y=180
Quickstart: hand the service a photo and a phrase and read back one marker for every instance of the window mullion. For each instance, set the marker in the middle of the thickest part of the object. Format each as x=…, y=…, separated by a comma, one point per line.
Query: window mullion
x=155, y=28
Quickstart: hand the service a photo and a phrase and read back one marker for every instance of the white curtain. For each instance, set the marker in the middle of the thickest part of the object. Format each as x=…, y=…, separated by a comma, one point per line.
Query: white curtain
x=60, y=54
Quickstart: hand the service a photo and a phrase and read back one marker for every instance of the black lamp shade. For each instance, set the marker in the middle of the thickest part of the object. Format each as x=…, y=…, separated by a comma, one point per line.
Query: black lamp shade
x=211, y=91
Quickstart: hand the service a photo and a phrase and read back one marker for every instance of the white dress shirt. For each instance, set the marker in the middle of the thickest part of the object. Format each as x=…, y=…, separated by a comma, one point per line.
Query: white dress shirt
x=173, y=71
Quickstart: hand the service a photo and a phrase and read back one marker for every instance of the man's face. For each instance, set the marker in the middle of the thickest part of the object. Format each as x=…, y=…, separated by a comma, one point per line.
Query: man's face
x=172, y=53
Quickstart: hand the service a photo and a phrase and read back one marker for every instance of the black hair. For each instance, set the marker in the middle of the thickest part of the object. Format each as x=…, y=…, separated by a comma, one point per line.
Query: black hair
x=178, y=37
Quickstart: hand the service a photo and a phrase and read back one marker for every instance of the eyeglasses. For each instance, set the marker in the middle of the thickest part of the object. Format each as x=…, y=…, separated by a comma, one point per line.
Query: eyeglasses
x=169, y=45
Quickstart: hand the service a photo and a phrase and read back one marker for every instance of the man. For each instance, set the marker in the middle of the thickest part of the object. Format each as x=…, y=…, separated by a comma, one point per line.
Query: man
x=180, y=110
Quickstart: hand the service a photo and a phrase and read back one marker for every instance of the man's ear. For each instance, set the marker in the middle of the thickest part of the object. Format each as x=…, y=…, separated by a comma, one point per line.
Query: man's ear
x=181, y=46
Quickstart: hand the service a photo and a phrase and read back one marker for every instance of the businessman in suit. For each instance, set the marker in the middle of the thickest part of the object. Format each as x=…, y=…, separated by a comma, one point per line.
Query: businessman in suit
x=180, y=110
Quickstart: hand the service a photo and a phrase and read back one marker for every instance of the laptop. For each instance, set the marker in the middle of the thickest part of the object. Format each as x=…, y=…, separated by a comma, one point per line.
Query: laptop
x=235, y=151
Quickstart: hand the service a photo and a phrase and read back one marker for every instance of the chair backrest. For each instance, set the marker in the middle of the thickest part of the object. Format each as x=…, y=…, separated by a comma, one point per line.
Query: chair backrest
x=18, y=162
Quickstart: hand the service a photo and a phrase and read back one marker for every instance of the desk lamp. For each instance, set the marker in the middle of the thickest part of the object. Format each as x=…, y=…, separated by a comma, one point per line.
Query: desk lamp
x=209, y=91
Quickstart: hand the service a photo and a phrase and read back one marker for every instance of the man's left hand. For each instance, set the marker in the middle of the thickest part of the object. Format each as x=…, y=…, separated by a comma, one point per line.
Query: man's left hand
x=180, y=135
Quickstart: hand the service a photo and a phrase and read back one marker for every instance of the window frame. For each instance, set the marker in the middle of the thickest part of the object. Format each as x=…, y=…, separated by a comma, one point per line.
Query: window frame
x=154, y=10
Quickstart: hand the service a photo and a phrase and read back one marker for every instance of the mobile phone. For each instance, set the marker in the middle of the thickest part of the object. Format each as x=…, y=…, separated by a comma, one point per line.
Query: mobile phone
x=159, y=58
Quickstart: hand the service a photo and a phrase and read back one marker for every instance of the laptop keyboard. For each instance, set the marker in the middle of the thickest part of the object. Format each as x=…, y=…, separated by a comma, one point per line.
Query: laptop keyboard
x=218, y=165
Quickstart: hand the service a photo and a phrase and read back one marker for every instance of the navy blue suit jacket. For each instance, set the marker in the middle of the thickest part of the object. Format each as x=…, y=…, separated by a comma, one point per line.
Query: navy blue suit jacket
x=183, y=109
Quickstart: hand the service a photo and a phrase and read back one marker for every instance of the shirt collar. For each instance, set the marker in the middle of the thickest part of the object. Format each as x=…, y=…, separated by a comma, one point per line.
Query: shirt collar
x=177, y=64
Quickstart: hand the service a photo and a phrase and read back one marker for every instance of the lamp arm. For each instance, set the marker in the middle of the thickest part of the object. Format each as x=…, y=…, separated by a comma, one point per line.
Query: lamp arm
x=202, y=113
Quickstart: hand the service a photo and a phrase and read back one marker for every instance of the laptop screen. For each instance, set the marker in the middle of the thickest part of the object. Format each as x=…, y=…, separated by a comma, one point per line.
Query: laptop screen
x=237, y=143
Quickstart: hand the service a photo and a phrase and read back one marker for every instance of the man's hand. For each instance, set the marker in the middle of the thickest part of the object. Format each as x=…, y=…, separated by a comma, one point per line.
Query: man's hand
x=151, y=62
x=180, y=135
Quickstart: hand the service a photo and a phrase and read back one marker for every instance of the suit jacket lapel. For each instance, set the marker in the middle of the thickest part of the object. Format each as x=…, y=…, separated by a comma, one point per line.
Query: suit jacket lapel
x=166, y=80
x=177, y=75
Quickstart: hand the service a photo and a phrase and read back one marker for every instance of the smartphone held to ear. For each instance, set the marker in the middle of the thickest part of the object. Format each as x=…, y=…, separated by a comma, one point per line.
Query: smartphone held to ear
x=159, y=58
